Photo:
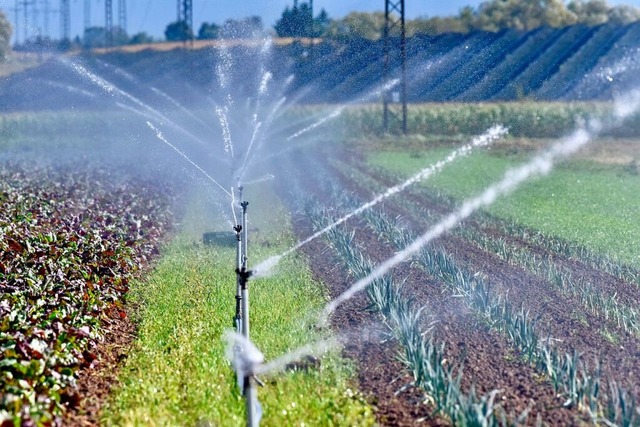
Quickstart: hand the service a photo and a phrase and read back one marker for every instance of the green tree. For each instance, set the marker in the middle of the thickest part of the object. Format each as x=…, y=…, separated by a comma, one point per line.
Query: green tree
x=245, y=28
x=522, y=14
x=208, y=31
x=299, y=22
x=5, y=36
x=94, y=37
x=623, y=15
x=141, y=38
x=592, y=12
x=358, y=24
x=178, y=31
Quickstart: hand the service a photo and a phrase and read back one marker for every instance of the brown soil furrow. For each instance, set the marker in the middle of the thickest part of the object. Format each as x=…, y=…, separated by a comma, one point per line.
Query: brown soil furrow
x=577, y=328
x=489, y=362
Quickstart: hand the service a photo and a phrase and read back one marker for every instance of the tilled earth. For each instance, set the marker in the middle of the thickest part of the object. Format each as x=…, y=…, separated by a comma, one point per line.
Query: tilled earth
x=488, y=359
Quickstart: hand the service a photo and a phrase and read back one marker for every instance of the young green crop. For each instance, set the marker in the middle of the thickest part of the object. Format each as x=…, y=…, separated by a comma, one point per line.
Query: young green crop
x=178, y=373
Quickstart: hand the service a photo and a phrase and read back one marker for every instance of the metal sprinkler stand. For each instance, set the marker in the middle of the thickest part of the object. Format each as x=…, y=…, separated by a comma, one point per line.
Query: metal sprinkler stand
x=237, y=319
x=249, y=386
x=245, y=239
x=243, y=279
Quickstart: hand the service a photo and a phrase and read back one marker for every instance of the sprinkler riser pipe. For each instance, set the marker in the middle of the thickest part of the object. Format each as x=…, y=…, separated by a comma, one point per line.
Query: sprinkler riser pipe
x=250, y=397
x=245, y=310
x=237, y=319
x=245, y=237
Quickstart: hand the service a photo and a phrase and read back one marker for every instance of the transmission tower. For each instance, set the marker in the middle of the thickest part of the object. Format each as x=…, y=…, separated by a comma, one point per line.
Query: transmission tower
x=87, y=14
x=46, y=8
x=394, y=21
x=108, y=22
x=122, y=15
x=185, y=14
x=26, y=13
x=65, y=19
x=16, y=10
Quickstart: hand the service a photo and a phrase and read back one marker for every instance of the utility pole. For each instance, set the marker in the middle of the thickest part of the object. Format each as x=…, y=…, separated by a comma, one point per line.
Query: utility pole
x=185, y=14
x=65, y=20
x=16, y=10
x=45, y=22
x=87, y=15
x=108, y=22
x=25, y=11
x=394, y=19
x=122, y=15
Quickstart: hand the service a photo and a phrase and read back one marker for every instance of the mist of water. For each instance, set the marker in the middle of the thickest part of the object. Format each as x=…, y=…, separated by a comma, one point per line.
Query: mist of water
x=483, y=140
x=226, y=131
x=541, y=164
x=161, y=137
x=338, y=110
x=113, y=90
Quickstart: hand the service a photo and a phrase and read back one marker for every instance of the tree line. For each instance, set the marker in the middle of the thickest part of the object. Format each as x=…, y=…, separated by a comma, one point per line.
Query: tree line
x=492, y=15
x=299, y=21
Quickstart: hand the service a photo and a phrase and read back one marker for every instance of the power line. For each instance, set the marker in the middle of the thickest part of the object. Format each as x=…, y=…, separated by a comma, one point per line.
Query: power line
x=87, y=14
x=185, y=14
x=122, y=15
x=394, y=19
x=108, y=22
x=65, y=19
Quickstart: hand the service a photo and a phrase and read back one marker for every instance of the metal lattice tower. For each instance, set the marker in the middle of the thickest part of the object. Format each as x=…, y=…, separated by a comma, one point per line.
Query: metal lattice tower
x=16, y=10
x=108, y=21
x=25, y=4
x=122, y=15
x=87, y=14
x=185, y=14
x=45, y=21
x=394, y=21
x=65, y=19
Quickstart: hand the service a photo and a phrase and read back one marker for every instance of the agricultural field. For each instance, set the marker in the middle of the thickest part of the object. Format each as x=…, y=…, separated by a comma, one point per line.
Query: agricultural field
x=519, y=307
x=526, y=312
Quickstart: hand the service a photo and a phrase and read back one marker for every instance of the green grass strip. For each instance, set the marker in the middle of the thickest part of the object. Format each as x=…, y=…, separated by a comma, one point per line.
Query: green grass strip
x=583, y=202
x=177, y=373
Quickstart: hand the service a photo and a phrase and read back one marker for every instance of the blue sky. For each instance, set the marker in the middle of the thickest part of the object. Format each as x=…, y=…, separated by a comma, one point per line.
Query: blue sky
x=152, y=16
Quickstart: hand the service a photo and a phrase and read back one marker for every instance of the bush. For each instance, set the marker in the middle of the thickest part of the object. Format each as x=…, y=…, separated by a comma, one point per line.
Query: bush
x=5, y=36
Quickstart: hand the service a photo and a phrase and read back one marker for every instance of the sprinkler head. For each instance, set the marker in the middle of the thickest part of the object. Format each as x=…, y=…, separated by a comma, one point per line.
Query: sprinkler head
x=244, y=205
x=244, y=274
x=237, y=228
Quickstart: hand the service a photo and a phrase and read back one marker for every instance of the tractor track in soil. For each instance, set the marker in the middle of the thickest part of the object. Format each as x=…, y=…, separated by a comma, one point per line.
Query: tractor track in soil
x=489, y=363
x=619, y=360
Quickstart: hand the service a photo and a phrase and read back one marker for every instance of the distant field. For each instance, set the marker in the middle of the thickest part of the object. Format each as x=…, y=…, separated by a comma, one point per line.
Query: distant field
x=589, y=202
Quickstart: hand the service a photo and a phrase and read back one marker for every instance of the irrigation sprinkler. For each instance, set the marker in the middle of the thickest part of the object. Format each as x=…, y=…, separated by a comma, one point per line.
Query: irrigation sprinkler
x=237, y=319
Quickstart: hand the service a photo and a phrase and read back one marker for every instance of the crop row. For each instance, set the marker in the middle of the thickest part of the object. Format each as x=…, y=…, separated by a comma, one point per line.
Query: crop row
x=566, y=372
x=553, y=244
x=560, y=277
x=581, y=61
x=422, y=356
x=528, y=120
x=68, y=250
x=547, y=63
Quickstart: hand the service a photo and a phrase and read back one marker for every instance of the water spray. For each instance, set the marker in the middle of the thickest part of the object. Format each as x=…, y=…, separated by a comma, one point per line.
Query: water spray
x=541, y=164
x=246, y=359
x=485, y=139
